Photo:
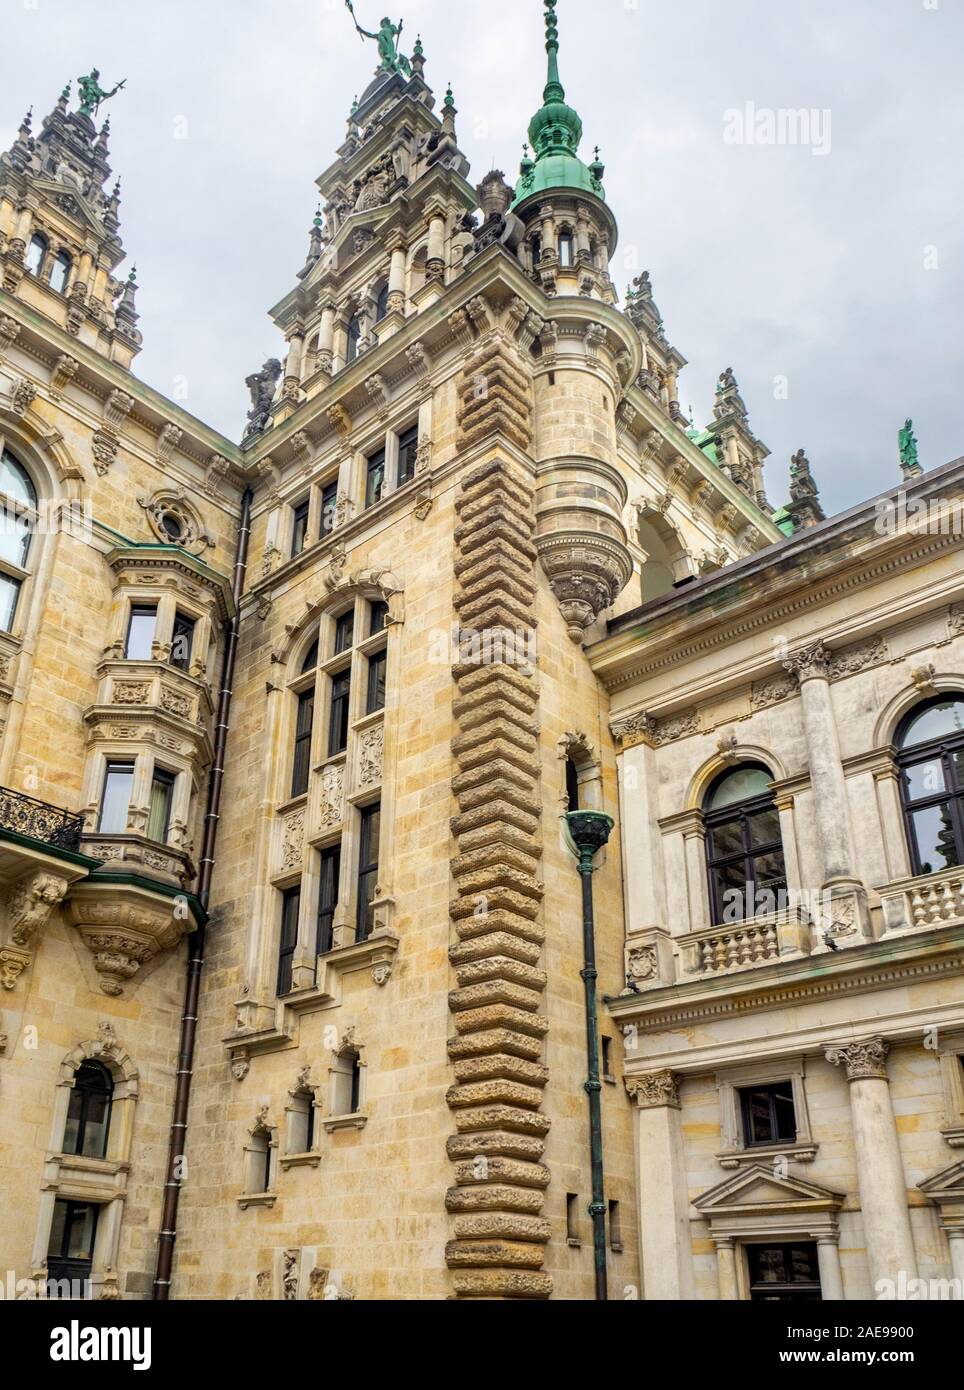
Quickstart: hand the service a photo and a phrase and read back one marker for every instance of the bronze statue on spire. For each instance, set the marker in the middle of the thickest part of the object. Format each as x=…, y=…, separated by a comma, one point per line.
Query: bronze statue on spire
x=92, y=94
x=387, y=38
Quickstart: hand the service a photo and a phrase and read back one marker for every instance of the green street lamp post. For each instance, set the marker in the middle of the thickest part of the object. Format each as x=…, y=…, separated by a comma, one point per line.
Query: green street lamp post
x=590, y=830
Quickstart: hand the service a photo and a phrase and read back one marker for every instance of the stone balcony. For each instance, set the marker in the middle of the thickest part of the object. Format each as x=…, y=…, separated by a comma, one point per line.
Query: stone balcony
x=929, y=900
x=654, y=959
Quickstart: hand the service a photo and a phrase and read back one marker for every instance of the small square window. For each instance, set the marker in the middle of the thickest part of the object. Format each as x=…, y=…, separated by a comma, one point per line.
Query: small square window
x=768, y=1114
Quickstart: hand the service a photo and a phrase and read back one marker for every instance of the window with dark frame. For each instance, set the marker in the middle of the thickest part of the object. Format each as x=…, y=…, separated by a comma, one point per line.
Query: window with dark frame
x=353, y=339
x=73, y=1231
x=565, y=250
x=159, y=812
x=572, y=785
x=572, y=1218
x=784, y=1273
x=116, y=798
x=744, y=849
x=367, y=871
x=375, y=478
x=345, y=632
x=88, y=1112
x=615, y=1228
x=141, y=627
x=769, y=1115
x=182, y=641
x=340, y=710
x=930, y=757
x=377, y=666
x=407, y=455
x=381, y=303
x=288, y=942
x=379, y=618
x=329, y=877
x=354, y=1100
x=304, y=725
x=299, y=530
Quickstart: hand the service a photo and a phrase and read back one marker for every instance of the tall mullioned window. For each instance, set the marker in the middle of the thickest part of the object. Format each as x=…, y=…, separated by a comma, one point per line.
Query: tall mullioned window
x=930, y=755
x=341, y=684
x=18, y=519
x=744, y=851
x=88, y=1113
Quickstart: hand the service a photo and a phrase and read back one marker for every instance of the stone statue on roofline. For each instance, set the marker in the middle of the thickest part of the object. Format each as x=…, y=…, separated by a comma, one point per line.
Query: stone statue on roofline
x=907, y=444
x=262, y=386
x=92, y=94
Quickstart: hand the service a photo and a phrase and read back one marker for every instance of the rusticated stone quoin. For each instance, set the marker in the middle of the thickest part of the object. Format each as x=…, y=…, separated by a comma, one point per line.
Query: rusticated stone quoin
x=499, y=1182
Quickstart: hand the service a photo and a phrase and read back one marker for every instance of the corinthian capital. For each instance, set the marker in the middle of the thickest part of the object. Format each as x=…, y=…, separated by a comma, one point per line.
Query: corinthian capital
x=654, y=1089
x=867, y=1058
x=810, y=663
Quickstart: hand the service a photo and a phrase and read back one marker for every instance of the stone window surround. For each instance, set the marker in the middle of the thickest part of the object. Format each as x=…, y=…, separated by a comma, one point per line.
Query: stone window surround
x=303, y=1098
x=253, y=1160
x=103, y=1181
x=145, y=760
x=168, y=603
x=950, y=1052
x=780, y=1228
x=348, y=469
x=347, y=835
x=731, y=1080
x=340, y=1067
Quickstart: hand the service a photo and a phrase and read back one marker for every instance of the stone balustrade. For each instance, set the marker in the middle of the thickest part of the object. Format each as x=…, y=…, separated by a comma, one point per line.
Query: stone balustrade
x=929, y=900
x=721, y=950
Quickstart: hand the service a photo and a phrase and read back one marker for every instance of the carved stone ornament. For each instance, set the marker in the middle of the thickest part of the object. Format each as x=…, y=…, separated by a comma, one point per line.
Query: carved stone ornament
x=654, y=1090
x=630, y=729
x=863, y=1060
x=174, y=521
x=125, y=933
x=642, y=964
x=810, y=663
x=23, y=397
x=103, y=446
x=772, y=691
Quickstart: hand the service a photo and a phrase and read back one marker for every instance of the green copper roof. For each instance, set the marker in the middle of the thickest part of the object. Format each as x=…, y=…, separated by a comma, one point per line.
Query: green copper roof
x=783, y=521
x=554, y=134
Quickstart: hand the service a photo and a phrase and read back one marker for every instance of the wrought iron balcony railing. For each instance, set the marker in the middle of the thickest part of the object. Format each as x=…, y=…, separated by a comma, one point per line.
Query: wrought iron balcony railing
x=36, y=820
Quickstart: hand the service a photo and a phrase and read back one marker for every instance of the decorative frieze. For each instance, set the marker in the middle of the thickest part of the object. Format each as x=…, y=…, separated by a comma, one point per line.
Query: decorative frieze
x=772, y=691
x=871, y=652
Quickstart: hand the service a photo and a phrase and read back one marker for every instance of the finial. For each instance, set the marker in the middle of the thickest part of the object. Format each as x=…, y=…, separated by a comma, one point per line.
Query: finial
x=449, y=98
x=27, y=122
x=132, y=278
x=319, y=220
x=64, y=98
x=554, y=90
x=418, y=51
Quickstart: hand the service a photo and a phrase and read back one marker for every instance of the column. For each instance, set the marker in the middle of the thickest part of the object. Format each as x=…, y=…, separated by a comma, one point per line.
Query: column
x=828, y=1260
x=547, y=218
x=955, y=1239
x=326, y=339
x=435, y=260
x=849, y=922
x=694, y=848
x=661, y=1192
x=583, y=249
x=292, y=377
x=880, y=1170
x=396, y=281
x=726, y=1268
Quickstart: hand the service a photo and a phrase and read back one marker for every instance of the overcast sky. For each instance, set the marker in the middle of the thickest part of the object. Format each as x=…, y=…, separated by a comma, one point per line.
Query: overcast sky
x=838, y=272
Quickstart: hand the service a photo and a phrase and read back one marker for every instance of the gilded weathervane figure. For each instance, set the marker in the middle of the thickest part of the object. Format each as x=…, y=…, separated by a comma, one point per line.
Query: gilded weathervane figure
x=92, y=93
x=387, y=38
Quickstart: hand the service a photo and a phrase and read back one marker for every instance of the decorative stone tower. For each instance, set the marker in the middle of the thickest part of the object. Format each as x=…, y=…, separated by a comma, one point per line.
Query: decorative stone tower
x=59, y=227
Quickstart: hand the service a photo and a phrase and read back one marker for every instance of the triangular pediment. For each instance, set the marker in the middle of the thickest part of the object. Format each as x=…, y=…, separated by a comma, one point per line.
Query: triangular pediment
x=759, y=1188
x=79, y=208
x=947, y=1182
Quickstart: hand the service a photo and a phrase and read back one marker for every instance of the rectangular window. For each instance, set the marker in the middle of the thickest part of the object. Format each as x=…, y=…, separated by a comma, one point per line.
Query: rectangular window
x=290, y=909
x=367, y=871
x=340, y=702
x=376, y=682
x=70, y=1252
x=607, y=1058
x=329, y=882
x=615, y=1230
x=572, y=1218
x=407, y=455
x=375, y=478
x=140, y=633
x=379, y=620
x=304, y=723
x=784, y=1273
x=9, y=593
x=329, y=505
x=299, y=533
x=345, y=632
x=116, y=800
x=162, y=794
x=768, y=1114
x=182, y=642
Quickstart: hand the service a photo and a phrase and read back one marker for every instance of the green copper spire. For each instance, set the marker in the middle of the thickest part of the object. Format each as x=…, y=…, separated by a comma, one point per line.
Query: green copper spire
x=555, y=132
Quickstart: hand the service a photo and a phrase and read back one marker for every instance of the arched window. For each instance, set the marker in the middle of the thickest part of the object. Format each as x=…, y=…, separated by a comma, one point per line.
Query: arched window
x=536, y=251
x=572, y=784
x=18, y=518
x=381, y=303
x=930, y=755
x=88, y=1113
x=354, y=337
x=60, y=273
x=566, y=249
x=744, y=851
x=36, y=253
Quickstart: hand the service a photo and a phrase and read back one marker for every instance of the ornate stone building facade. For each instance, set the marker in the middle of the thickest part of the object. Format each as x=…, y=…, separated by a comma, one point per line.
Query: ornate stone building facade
x=293, y=957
